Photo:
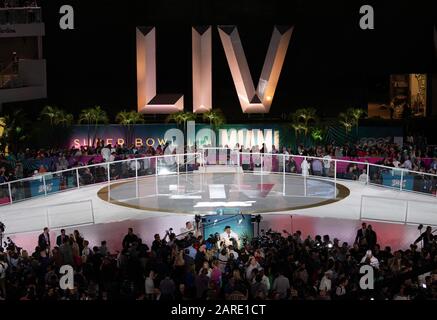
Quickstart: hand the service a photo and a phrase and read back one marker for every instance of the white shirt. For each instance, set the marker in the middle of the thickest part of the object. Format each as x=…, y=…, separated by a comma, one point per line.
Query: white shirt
x=408, y=165
x=106, y=153
x=235, y=254
x=250, y=268
x=305, y=166
x=227, y=238
x=264, y=280
x=286, y=155
x=150, y=286
x=133, y=165
x=327, y=161
x=325, y=284
x=373, y=261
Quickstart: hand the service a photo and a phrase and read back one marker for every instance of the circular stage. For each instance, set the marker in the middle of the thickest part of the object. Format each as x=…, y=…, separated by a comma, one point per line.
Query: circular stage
x=204, y=193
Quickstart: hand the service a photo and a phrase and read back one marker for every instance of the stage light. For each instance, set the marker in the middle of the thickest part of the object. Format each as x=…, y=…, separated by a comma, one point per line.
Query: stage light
x=215, y=221
x=240, y=221
x=224, y=204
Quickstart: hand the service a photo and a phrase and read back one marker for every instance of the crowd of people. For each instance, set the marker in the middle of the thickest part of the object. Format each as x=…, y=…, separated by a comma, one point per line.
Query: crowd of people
x=411, y=156
x=35, y=162
x=272, y=266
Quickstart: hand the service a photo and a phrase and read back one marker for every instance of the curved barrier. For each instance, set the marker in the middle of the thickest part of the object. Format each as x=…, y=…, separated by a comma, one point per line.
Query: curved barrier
x=260, y=163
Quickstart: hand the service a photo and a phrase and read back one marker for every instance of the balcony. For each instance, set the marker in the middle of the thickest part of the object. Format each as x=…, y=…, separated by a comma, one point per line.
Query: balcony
x=21, y=22
x=26, y=83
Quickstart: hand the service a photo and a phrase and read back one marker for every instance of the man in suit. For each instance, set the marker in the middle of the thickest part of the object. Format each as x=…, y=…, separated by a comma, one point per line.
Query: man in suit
x=371, y=238
x=44, y=240
x=361, y=238
x=60, y=238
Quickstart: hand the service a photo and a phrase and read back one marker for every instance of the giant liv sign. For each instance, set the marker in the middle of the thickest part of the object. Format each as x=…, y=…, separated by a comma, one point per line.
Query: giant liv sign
x=251, y=100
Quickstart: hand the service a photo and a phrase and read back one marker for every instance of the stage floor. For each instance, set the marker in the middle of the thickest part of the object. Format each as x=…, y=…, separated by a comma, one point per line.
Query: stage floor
x=205, y=193
x=84, y=209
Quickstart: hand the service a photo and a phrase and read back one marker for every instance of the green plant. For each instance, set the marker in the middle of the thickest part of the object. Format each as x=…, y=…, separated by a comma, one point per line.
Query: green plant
x=347, y=121
x=128, y=119
x=181, y=118
x=56, y=116
x=215, y=117
x=93, y=116
x=317, y=134
x=356, y=114
x=14, y=131
x=303, y=120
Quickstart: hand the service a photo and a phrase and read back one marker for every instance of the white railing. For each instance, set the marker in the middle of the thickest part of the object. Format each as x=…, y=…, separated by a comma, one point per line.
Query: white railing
x=398, y=210
x=54, y=216
x=265, y=163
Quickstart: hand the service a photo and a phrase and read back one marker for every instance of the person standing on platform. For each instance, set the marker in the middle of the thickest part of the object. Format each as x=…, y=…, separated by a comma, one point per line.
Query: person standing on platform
x=229, y=236
x=361, y=237
x=305, y=167
x=129, y=239
x=44, y=240
x=61, y=237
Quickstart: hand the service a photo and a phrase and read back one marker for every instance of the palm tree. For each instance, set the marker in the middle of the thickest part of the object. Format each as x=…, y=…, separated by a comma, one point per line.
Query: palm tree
x=177, y=117
x=128, y=119
x=13, y=130
x=64, y=119
x=317, y=134
x=93, y=116
x=356, y=114
x=303, y=119
x=56, y=116
x=347, y=121
x=215, y=117
x=3, y=133
x=50, y=113
x=298, y=128
x=182, y=117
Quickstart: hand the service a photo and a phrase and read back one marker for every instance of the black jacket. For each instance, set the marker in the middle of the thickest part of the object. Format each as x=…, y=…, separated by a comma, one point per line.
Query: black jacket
x=42, y=242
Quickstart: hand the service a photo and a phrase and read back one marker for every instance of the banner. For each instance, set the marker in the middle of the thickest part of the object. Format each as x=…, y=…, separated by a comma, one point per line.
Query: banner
x=37, y=186
x=154, y=135
x=394, y=181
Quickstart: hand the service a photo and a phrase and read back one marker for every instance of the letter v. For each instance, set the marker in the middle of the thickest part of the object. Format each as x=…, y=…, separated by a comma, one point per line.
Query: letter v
x=258, y=101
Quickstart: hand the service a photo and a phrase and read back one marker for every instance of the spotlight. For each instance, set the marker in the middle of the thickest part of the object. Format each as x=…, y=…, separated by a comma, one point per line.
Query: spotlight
x=240, y=221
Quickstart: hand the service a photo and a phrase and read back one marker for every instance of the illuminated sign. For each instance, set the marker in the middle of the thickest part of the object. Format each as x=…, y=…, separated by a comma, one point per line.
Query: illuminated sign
x=251, y=100
x=153, y=135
